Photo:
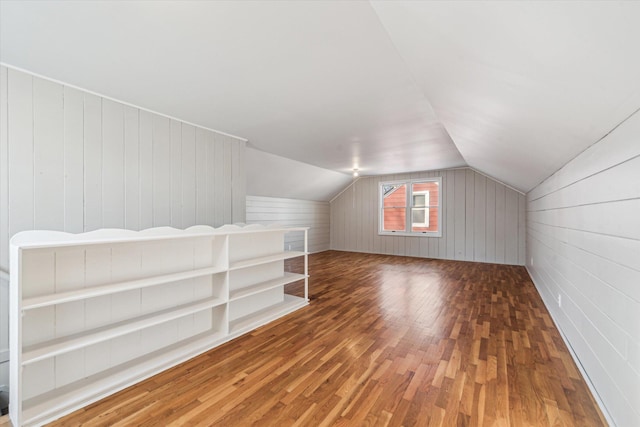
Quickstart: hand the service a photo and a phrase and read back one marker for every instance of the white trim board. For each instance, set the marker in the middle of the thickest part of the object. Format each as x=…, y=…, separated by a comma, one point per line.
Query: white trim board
x=575, y=358
x=4, y=64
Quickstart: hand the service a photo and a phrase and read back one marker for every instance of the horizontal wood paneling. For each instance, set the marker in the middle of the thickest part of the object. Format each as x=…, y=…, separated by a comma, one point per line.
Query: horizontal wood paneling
x=294, y=213
x=583, y=241
x=483, y=220
x=74, y=161
x=4, y=229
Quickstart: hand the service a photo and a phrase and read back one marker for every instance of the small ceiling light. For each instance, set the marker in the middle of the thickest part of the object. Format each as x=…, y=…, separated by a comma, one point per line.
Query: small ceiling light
x=355, y=172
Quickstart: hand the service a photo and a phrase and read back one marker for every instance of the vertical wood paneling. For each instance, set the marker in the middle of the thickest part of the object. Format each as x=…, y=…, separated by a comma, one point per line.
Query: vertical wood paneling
x=69, y=318
x=238, y=182
x=522, y=231
x=470, y=214
x=373, y=207
x=490, y=223
x=450, y=221
x=92, y=162
x=218, y=179
x=583, y=242
x=146, y=169
x=511, y=226
x=131, y=168
x=211, y=187
x=112, y=164
x=342, y=229
x=442, y=241
x=176, y=174
x=4, y=224
x=73, y=161
x=371, y=215
x=333, y=223
x=359, y=208
x=201, y=176
x=479, y=219
x=4, y=172
x=500, y=222
x=161, y=171
x=48, y=155
x=459, y=213
x=21, y=173
x=188, y=175
x=226, y=185
x=352, y=232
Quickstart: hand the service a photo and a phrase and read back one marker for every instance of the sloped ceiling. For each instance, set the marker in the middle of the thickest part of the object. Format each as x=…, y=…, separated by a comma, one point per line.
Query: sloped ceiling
x=300, y=180
x=521, y=87
x=513, y=89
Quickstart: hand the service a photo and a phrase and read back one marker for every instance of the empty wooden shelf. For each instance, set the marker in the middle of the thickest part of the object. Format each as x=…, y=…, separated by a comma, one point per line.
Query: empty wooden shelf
x=93, y=313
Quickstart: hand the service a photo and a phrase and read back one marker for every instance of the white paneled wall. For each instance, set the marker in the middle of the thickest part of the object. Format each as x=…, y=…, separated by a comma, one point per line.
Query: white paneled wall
x=4, y=233
x=74, y=161
x=583, y=246
x=483, y=220
x=293, y=213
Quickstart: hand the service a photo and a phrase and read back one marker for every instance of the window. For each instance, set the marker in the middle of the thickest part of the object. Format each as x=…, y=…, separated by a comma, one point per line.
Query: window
x=411, y=207
x=420, y=209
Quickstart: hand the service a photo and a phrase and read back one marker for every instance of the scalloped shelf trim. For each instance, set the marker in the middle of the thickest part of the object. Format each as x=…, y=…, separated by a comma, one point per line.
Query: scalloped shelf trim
x=40, y=238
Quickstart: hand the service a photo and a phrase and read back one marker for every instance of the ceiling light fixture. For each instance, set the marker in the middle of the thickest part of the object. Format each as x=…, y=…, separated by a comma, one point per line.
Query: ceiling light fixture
x=355, y=173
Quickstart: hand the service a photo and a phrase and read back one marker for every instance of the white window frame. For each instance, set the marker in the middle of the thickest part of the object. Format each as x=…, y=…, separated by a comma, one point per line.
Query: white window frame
x=409, y=208
x=424, y=208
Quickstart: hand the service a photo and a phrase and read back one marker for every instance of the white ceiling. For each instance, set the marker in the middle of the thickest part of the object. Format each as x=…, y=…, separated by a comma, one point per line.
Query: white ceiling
x=514, y=89
x=521, y=87
x=300, y=180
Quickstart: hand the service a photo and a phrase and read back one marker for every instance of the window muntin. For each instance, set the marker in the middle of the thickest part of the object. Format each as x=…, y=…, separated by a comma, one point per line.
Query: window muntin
x=411, y=207
x=420, y=210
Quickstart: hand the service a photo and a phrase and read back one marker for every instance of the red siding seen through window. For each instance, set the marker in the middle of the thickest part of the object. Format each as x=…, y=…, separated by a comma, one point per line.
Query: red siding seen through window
x=395, y=207
x=395, y=214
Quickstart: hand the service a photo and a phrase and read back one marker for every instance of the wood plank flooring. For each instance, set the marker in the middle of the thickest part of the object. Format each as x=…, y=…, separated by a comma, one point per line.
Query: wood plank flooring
x=385, y=341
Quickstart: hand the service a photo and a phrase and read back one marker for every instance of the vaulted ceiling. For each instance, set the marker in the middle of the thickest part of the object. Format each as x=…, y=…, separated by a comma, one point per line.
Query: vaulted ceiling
x=513, y=89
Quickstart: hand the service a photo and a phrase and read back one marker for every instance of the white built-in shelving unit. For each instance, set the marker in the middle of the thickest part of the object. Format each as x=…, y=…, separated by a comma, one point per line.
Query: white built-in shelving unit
x=93, y=313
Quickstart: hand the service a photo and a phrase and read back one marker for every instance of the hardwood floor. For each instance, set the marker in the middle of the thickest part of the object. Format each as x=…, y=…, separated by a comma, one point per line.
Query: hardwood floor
x=385, y=341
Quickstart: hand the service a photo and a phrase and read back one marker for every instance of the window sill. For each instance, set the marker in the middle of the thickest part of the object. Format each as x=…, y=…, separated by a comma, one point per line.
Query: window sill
x=405, y=234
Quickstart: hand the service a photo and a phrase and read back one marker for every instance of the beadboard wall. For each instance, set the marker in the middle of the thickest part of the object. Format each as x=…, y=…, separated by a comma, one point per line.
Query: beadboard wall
x=583, y=246
x=293, y=213
x=74, y=161
x=483, y=220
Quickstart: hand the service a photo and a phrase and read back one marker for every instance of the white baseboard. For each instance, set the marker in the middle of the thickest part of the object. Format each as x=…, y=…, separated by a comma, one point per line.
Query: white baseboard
x=575, y=358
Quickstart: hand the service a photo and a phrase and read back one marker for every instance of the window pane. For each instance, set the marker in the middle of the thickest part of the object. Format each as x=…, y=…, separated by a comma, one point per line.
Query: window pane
x=394, y=219
x=388, y=188
x=394, y=208
x=427, y=219
x=419, y=216
x=395, y=196
x=430, y=186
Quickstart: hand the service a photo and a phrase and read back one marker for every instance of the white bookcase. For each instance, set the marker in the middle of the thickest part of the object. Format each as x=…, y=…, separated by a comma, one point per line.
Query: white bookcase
x=93, y=313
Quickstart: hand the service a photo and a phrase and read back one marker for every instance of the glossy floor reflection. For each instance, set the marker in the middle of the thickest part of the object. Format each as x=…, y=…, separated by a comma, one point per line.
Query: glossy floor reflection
x=385, y=341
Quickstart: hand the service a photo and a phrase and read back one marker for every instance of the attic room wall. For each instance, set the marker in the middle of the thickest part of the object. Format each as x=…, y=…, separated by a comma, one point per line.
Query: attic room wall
x=293, y=213
x=483, y=220
x=292, y=193
x=73, y=161
x=583, y=245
